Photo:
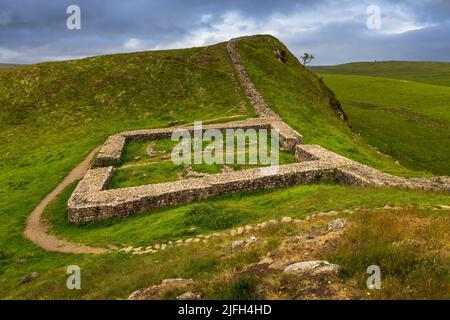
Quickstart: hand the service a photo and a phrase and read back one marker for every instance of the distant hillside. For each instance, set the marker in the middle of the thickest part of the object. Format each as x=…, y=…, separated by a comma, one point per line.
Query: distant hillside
x=8, y=65
x=305, y=103
x=405, y=119
x=426, y=72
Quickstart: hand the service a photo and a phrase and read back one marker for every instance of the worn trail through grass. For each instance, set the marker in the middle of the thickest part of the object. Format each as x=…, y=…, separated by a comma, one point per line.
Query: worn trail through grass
x=37, y=232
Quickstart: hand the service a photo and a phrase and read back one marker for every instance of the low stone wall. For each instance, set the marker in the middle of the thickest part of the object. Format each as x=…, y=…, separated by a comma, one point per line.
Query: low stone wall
x=111, y=152
x=92, y=201
x=255, y=98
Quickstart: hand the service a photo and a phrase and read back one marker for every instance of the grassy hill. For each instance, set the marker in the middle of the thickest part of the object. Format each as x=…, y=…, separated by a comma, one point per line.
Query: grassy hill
x=303, y=101
x=408, y=120
x=427, y=72
x=53, y=114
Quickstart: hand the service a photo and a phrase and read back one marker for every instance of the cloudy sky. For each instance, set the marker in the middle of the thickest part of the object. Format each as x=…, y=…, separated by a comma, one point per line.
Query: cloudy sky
x=334, y=31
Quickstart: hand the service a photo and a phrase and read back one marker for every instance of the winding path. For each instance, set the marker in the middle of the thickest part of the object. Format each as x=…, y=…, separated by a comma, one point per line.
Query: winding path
x=37, y=232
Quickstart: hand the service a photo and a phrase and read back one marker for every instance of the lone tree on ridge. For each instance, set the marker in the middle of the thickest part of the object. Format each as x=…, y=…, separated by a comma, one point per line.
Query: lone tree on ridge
x=306, y=58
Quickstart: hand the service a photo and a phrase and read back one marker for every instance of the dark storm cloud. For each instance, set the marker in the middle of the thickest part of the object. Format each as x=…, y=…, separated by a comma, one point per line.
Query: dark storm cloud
x=32, y=31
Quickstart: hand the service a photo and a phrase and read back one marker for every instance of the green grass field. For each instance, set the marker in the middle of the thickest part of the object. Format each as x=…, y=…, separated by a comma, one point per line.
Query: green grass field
x=407, y=120
x=53, y=114
x=138, y=168
x=437, y=73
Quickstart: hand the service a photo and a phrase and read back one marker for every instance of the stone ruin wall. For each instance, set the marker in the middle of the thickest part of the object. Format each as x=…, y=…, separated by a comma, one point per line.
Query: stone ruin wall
x=92, y=201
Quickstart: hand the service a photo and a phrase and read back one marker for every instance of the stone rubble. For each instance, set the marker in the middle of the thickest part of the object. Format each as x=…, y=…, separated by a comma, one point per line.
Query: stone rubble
x=304, y=239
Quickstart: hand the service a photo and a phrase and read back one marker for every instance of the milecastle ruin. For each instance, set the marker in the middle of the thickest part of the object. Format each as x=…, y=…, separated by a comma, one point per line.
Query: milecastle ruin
x=92, y=200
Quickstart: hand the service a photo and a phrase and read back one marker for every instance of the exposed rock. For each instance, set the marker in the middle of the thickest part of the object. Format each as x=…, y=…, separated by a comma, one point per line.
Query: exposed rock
x=286, y=219
x=22, y=261
x=243, y=243
x=237, y=244
x=443, y=207
x=266, y=260
x=264, y=224
x=336, y=224
x=149, y=149
x=192, y=229
x=27, y=278
x=315, y=267
x=156, y=292
x=280, y=54
x=189, y=296
x=177, y=282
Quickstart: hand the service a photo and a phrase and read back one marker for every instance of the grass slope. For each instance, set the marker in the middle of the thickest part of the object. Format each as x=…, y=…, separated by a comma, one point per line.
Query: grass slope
x=53, y=114
x=302, y=100
x=427, y=72
x=408, y=120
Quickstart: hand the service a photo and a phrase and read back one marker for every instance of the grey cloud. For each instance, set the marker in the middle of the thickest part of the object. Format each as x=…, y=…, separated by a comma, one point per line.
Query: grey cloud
x=32, y=31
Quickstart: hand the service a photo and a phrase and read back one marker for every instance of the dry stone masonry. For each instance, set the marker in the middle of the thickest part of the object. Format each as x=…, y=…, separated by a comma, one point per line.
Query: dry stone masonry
x=92, y=201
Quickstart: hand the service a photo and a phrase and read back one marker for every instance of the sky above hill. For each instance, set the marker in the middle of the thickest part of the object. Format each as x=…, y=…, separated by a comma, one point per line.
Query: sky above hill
x=334, y=31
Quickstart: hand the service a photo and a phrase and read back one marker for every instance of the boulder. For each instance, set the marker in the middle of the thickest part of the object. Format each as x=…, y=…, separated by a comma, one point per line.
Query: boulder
x=27, y=278
x=243, y=243
x=157, y=291
x=336, y=224
x=315, y=267
x=286, y=219
x=189, y=296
